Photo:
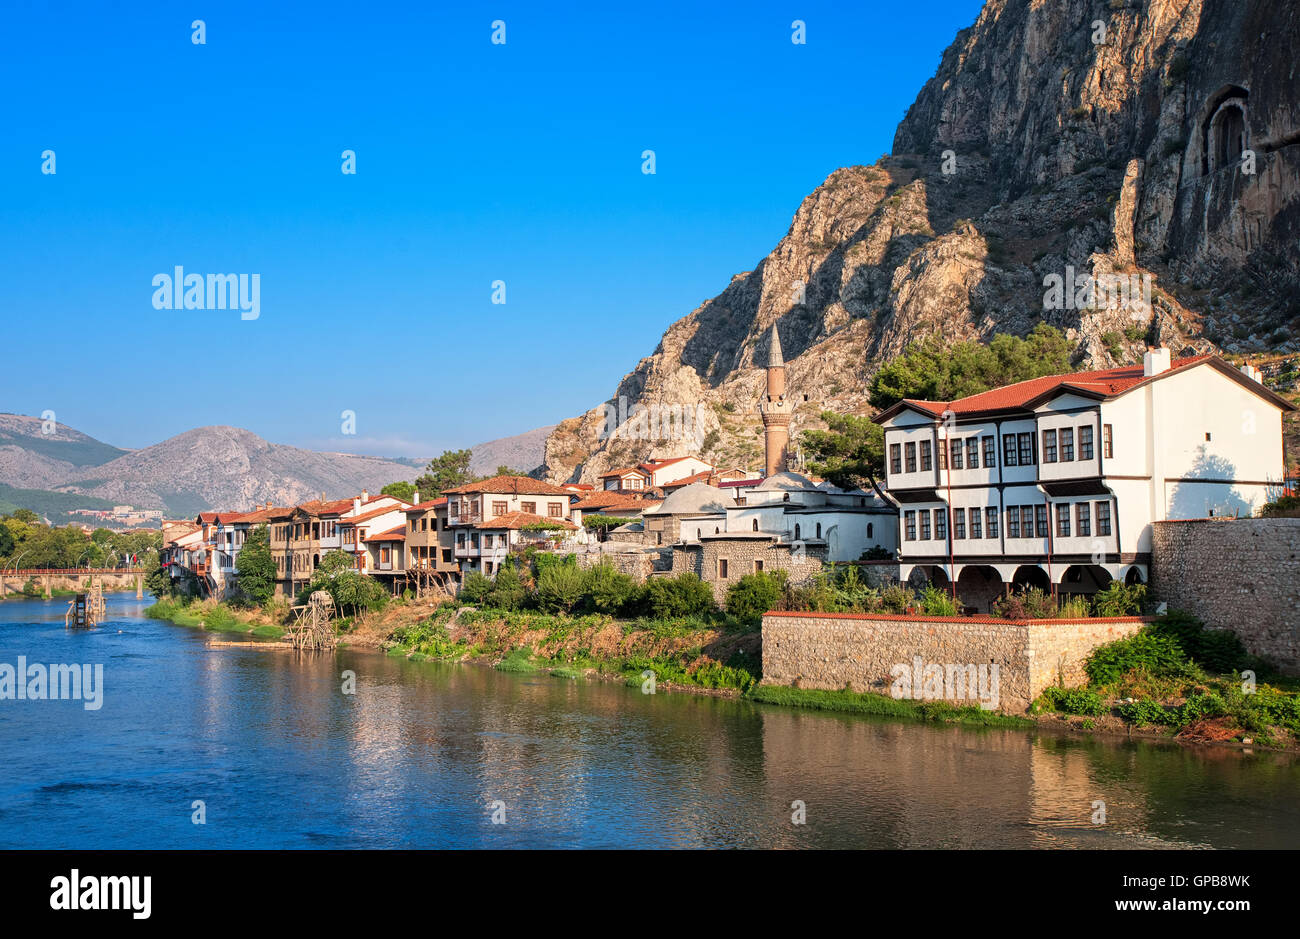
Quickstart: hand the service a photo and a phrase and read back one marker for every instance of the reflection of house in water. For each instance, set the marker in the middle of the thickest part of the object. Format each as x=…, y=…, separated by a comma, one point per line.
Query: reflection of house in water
x=1056, y=481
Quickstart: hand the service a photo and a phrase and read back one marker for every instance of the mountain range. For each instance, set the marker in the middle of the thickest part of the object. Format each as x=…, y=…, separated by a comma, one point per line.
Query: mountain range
x=206, y=468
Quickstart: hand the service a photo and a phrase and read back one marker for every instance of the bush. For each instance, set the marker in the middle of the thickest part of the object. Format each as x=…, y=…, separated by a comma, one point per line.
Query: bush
x=683, y=595
x=560, y=587
x=1147, y=712
x=508, y=590
x=754, y=594
x=610, y=590
x=1074, y=701
x=476, y=588
x=1118, y=599
x=897, y=599
x=1158, y=654
x=1026, y=604
x=936, y=602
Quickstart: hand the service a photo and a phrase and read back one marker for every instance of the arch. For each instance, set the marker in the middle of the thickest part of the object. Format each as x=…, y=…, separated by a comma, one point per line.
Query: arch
x=932, y=575
x=819, y=529
x=1031, y=575
x=979, y=586
x=1134, y=575
x=869, y=527
x=1223, y=127
x=785, y=497
x=1084, y=579
x=796, y=531
x=755, y=524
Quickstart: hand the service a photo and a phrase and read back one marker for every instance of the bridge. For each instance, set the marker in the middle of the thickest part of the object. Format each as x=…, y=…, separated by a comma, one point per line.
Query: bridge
x=72, y=578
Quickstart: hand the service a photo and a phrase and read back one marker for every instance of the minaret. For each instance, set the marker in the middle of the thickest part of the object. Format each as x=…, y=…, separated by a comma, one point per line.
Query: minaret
x=776, y=410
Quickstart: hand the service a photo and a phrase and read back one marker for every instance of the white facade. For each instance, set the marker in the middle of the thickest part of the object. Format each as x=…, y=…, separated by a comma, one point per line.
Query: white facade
x=1066, y=474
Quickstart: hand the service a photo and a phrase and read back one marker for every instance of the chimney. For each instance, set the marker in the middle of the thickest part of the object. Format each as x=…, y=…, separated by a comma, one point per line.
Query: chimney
x=268, y=505
x=356, y=504
x=415, y=497
x=1252, y=373
x=365, y=495
x=322, y=496
x=1155, y=361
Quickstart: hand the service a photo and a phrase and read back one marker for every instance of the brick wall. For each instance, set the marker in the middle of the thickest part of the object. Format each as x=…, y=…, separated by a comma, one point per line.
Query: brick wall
x=837, y=650
x=1238, y=574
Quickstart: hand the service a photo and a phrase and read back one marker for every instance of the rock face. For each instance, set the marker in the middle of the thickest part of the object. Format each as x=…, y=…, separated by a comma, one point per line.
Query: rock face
x=1155, y=143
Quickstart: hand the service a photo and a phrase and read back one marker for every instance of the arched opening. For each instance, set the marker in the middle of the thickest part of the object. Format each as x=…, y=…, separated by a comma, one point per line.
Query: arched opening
x=797, y=535
x=755, y=524
x=1030, y=575
x=785, y=497
x=1224, y=132
x=1134, y=576
x=1083, y=580
x=978, y=586
x=869, y=527
x=819, y=529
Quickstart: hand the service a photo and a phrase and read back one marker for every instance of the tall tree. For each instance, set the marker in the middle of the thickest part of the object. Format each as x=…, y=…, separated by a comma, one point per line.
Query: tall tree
x=445, y=472
x=850, y=452
x=255, y=567
x=399, y=490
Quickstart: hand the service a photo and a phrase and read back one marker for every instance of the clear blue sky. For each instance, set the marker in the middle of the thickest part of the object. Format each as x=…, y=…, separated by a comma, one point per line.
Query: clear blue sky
x=475, y=162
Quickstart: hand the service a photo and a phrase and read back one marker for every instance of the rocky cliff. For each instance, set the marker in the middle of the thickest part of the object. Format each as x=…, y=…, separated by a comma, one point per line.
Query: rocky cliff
x=1150, y=145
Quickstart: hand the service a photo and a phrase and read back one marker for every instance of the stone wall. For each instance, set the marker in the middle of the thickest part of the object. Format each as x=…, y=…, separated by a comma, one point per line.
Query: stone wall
x=637, y=563
x=833, y=651
x=740, y=555
x=1239, y=574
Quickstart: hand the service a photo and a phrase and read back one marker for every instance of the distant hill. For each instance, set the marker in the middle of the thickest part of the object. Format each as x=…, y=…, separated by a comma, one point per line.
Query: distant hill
x=55, y=506
x=524, y=451
x=201, y=469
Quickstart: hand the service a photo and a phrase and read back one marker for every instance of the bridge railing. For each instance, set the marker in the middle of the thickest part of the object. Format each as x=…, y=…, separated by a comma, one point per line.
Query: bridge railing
x=71, y=571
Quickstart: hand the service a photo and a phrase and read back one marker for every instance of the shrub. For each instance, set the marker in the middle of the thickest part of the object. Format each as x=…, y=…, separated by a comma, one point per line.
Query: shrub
x=936, y=602
x=1026, y=604
x=1283, y=507
x=683, y=595
x=754, y=594
x=1147, y=712
x=1218, y=650
x=610, y=590
x=1158, y=654
x=508, y=590
x=1074, y=701
x=560, y=587
x=896, y=599
x=1074, y=608
x=1118, y=599
x=476, y=588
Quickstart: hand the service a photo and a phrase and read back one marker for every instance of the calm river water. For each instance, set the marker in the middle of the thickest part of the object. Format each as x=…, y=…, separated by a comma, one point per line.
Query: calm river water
x=281, y=758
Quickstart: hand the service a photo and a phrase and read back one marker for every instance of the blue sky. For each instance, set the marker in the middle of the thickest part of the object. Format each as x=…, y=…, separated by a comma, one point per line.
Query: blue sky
x=475, y=163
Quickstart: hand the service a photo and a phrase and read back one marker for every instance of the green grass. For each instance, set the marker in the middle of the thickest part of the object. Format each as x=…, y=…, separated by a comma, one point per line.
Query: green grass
x=853, y=702
x=214, y=619
x=520, y=660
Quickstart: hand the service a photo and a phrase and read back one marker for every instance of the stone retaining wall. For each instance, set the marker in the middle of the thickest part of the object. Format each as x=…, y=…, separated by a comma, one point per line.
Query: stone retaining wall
x=834, y=651
x=1239, y=574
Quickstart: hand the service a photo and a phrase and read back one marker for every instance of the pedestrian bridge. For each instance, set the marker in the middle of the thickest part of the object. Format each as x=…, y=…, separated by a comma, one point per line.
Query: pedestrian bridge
x=50, y=579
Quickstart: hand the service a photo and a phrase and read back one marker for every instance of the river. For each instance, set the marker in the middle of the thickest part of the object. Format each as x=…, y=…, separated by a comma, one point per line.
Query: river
x=280, y=757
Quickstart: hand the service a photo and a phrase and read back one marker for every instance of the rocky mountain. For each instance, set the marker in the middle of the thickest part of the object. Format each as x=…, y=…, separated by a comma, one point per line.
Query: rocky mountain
x=204, y=468
x=1147, y=150
x=524, y=452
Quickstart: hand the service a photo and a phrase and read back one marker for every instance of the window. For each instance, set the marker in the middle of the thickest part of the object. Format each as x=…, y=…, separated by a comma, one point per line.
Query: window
x=925, y=525
x=895, y=458
x=722, y=568
x=1040, y=519
x=959, y=522
x=941, y=524
x=943, y=456
x=1085, y=443
x=1026, y=449
x=1067, y=444
x=869, y=527
x=797, y=536
x=926, y=463
x=1103, y=518
x=1027, y=521
x=758, y=565
x=555, y=509
x=755, y=524
x=975, y=523
x=909, y=449
x=973, y=453
x=1049, y=446
x=529, y=507
x=498, y=508
x=819, y=529
x=1008, y=449
x=955, y=462
x=1063, y=520
x=1107, y=441
x=909, y=523
x=1083, y=519
x=990, y=452
x=1013, y=522
x=1207, y=436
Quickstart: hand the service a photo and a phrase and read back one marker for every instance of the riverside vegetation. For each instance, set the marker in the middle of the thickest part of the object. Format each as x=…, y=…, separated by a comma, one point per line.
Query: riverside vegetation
x=544, y=613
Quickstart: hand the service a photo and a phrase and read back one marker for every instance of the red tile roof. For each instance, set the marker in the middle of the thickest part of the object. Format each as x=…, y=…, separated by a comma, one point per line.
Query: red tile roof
x=625, y=471
x=373, y=513
x=520, y=519
x=393, y=534
x=425, y=506
x=511, y=485
x=614, y=499
x=1025, y=394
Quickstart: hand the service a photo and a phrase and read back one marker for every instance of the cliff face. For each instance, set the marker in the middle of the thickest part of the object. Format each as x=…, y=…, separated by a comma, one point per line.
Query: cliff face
x=1059, y=138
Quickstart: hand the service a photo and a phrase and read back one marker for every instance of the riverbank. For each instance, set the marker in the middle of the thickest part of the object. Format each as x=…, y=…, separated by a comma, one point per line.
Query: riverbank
x=720, y=656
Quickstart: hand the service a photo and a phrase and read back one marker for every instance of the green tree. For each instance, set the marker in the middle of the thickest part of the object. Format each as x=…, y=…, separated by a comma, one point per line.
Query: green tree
x=445, y=472
x=560, y=586
x=850, y=452
x=508, y=590
x=754, y=594
x=256, y=568
x=353, y=591
x=399, y=490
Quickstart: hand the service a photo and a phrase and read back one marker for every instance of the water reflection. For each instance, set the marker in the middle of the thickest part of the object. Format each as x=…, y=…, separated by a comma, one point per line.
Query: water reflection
x=282, y=758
